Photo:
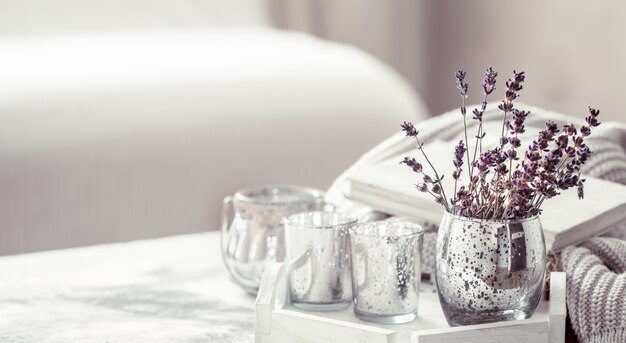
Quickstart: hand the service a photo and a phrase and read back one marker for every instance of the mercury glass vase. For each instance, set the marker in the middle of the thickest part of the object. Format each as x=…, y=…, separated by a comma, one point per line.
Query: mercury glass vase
x=386, y=275
x=489, y=271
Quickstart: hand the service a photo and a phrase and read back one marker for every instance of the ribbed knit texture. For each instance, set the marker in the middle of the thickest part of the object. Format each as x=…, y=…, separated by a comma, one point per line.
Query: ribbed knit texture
x=596, y=295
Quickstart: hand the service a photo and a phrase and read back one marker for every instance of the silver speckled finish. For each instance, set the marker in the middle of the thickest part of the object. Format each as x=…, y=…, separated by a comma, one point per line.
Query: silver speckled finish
x=489, y=271
x=318, y=256
x=255, y=236
x=386, y=271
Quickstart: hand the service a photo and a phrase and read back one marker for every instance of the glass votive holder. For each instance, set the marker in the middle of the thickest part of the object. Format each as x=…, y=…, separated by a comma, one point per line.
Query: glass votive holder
x=318, y=258
x=386, y=272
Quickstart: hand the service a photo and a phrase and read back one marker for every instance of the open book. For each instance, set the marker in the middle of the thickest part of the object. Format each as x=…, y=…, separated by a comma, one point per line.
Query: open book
x=389, y=187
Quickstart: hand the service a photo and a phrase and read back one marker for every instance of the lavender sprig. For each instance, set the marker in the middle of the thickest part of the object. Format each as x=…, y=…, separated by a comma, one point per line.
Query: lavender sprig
x=513, y=86
x=497, y=187
x=463, y=87
x=489, y=85
x=437, y=192
x=459, y=150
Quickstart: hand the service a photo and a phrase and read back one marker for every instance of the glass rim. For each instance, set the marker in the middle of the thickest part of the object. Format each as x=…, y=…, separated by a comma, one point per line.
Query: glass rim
x=416, y=229
x=247, y=195
x=498, y=221
x=348, y=219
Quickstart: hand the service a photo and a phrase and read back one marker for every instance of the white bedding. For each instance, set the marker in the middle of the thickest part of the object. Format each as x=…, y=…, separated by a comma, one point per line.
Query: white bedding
x=109, y=137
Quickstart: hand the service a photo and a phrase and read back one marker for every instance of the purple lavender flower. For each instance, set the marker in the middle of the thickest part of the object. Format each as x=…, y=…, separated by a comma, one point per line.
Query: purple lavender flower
x=562, y=141
x=490, y=81
x=591, y=121
x=515, y=142
x=439, y=200
x=533, y=155
x=478, y=115
x=502, y=169
x=513, y=86
x=464, y=198
x=499, y=188
x=585, y=130
x=552, y=127
x=411, y=162
x=436, y=188
x=551, y=160
x=461, y=84
x=583, y=153
x=485, y=160
x=566, y=179
x=499, y=156
x=517, y=124
x=463, y=87
x=512, y=154
x=459, y=150
x=545, y=137
x=569, y=129
x=409, y=129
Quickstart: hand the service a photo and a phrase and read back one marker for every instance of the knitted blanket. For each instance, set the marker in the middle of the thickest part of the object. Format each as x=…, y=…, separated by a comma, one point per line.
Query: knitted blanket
x=598, y=314
x=596, y=298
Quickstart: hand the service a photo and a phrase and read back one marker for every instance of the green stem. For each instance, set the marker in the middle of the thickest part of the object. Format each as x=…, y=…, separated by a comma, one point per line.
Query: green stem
x=480, y=132
x=469, y=170
x=443, y=192
x=503, y=127
x=455, y=183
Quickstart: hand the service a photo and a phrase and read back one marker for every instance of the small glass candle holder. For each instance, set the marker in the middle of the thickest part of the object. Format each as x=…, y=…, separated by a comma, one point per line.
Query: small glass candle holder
x=252, y=228
x=318, y=259
x=386, y=272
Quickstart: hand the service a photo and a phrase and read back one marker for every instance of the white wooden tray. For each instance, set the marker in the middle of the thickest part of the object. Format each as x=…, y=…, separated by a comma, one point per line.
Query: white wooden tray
x=278, y=322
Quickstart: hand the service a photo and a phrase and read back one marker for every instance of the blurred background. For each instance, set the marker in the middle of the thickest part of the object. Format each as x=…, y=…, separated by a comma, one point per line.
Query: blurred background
x=124, y=120
x=572, y=51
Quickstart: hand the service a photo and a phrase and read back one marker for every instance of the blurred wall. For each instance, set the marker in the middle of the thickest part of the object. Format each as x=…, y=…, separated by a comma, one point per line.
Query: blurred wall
x=572, y=51
x=41, y=17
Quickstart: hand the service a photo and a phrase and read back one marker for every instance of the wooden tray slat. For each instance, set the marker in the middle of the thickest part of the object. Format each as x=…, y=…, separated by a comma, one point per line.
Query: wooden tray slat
x=278, y=322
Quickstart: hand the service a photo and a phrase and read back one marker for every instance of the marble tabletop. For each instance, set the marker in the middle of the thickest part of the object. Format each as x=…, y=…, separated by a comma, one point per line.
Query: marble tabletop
x=171, y=289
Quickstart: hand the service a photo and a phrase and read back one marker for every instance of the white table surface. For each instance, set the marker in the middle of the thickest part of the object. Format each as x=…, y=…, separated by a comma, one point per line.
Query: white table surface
x=172, y=289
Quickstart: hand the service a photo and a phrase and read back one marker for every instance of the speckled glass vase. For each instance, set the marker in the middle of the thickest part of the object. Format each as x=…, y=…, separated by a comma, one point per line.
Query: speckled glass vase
x=386, y=275
x=489, y=271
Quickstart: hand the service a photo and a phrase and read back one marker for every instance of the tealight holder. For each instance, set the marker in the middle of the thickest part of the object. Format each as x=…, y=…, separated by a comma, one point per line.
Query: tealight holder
x=317, y=253
x=386, y=272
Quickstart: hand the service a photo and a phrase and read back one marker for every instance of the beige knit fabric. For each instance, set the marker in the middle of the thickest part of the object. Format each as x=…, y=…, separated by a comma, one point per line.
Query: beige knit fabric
x=608, y=143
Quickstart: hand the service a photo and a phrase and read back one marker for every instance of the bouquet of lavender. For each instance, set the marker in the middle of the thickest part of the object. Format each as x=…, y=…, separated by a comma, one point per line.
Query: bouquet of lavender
x=496, y=188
